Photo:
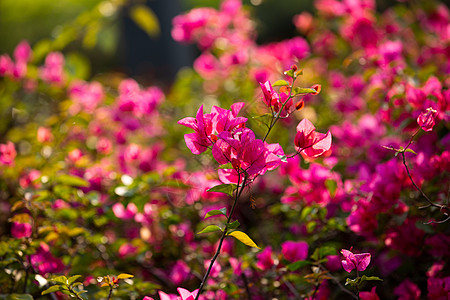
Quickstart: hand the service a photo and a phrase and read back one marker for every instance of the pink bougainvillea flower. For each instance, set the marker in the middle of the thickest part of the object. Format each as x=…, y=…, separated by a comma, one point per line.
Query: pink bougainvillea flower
x=438, y=288
x=7, y=154
x=20, y=230
x=44, y=135
x=265, y=260
x=53, y=70
x=6, y=65
x=125, y=213
x=426, y=119
x=407, y=291
x=355, y=261
x=22, y=52
x=372, y=295
x=44, y=262
x=276, y=100
x=310, y=142
x=246, y=154
x=186, y=295
x=208, y=126
x=294, y=251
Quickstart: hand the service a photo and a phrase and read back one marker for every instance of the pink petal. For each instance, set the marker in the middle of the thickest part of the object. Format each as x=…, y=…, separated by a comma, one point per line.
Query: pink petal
x=362, y=261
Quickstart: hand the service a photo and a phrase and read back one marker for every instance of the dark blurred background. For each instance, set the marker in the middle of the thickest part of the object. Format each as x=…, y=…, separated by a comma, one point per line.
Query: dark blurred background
x=113, y=41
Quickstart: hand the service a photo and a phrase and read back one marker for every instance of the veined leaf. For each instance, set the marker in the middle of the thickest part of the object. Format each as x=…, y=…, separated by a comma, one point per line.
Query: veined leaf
x=411, y=151
x=72, y=279
x=210, y=228
x=298, y=90
x=51, y=289
x=244, y=238
x=60, y=279
x=234, y=225
x=280, y=83
x=223, y=188
x=215, y=212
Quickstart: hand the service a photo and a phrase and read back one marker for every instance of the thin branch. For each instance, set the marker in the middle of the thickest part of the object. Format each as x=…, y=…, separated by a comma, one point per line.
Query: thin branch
x=224, y=233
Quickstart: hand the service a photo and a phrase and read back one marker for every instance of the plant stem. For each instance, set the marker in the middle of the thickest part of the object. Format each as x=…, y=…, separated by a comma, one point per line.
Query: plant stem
x=244, y=278
x=273, y=122
x=357, y=285
x=110, y=292
x=430, y=203
x=224, y=233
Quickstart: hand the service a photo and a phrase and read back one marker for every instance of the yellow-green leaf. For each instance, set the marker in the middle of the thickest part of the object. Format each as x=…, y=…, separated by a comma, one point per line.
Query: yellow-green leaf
x=244, y=238
x=72, y=180
x=146, y=19
x=280, y=83
x=51, y=289
x=210, y=228
x=124, y=276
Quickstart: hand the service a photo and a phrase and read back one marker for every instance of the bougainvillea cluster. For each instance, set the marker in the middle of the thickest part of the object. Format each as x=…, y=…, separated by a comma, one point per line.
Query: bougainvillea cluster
x=334, y=139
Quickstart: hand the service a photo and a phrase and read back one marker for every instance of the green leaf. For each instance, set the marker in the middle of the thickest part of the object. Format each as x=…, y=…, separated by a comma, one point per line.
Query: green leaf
x=244, y=238
x=124, y=276
x=51, y=289
x=146, y=19
x=210, y=228
x=234, y=225
x=298, y=90
x=370, y=278
x=298, y=264
x=72, y=279
x=331, y=186
x=223, y=188
x=322, y=252
x=60, y=279
x=72, y=180
x=290, y=73
x=411, y=151
x=280, y=83
x=351, y=282
x=215, y=212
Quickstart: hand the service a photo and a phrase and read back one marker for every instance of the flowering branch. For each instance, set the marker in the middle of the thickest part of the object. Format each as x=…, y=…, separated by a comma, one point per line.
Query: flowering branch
x=238, y=193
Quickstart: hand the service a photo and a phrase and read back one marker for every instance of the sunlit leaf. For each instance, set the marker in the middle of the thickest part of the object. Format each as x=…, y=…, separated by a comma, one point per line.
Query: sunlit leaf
x=51, y=289
x=298, y=90
x=411, y=151
x=124, y=276
x=215, y=212
x=71, y=180
x=223, y=188
x=244, y=238
x=280, y=83
x=72, y=279
x=146, y=19
x=210, y=228
x=60, y=279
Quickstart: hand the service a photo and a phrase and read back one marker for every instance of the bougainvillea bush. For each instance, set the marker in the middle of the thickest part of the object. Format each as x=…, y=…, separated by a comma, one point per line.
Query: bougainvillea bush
x=315, y=167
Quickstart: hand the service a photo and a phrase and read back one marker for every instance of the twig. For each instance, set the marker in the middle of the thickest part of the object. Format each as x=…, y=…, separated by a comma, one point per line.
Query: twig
x=224, y=234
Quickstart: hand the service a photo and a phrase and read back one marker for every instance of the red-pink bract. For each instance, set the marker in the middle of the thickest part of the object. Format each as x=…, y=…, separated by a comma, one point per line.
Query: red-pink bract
x=426, y=119
x=310, y=142
x=355, y=261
